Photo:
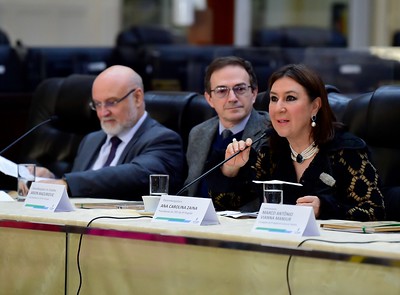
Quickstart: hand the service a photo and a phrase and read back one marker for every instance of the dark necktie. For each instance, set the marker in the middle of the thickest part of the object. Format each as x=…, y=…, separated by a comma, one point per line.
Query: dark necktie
x=115, y=141
x=226, y=133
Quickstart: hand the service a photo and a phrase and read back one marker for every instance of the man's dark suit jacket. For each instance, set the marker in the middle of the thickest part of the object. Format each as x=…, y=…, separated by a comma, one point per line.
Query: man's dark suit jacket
x=201, y=138
x=154, y=149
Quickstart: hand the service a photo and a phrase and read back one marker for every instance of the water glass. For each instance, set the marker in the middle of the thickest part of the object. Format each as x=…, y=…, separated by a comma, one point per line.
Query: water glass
x=26, y=176
x=159, y=184
x=273, y=193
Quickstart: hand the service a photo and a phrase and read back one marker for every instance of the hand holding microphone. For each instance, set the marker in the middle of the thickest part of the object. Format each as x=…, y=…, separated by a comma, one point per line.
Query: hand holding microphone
x=231, y=167
x=235, y=150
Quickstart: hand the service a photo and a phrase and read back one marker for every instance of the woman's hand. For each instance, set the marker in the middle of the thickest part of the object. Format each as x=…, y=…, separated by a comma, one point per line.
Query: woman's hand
x=312, y=201
x=232, y=167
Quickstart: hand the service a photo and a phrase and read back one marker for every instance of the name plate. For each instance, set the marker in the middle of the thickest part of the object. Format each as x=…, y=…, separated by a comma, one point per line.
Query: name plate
x=286, y=219
x=48, y=197
x=185, y=210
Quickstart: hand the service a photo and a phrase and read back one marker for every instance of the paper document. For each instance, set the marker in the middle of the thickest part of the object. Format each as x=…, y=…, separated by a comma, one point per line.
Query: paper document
x=8, y=167
x=4, y=197
x=363, y=227
x=277, y=182
x=237, y=214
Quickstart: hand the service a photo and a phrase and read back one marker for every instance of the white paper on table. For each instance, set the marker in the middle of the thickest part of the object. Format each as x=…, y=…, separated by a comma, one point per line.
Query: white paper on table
x=277, y=182
x=8, y=167
x=24, y=172
x=4, y=197
x=237, y=214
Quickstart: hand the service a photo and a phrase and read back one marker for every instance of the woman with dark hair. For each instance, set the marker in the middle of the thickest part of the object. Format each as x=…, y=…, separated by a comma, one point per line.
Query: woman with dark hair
x=309, y=147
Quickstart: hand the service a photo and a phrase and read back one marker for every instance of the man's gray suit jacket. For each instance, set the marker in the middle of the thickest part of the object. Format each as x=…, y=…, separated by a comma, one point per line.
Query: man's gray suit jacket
x=201, y=138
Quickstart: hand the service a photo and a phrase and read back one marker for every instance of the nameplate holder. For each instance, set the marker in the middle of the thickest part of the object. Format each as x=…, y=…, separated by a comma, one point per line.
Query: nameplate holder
x=286, y=219
x=185, y=210
x=48, y=197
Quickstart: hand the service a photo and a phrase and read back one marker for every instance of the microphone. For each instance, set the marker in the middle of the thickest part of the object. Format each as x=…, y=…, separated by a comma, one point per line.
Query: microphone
x=52, y=118
x=267, y=132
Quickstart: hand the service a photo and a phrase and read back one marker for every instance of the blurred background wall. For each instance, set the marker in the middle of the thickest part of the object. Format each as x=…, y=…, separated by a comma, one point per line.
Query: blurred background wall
x=97, y=22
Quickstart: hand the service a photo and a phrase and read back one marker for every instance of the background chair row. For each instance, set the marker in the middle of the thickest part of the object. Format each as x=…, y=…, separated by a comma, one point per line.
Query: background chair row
x=181, y=67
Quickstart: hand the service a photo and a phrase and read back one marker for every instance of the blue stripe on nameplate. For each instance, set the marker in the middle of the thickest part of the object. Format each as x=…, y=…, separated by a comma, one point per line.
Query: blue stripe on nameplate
x=36, y=206
x=275, y=230
x=173, y=219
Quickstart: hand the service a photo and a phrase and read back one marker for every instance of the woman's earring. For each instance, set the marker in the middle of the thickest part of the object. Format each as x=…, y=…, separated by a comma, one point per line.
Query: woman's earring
x=313, y=119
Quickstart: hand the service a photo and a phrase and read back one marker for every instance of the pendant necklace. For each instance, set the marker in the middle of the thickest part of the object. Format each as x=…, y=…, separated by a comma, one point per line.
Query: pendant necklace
x=304, y=155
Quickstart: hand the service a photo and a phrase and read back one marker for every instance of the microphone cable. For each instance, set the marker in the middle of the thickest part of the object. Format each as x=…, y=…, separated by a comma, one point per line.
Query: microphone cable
x=80, y=243
x=329, y=242
x=52, y=118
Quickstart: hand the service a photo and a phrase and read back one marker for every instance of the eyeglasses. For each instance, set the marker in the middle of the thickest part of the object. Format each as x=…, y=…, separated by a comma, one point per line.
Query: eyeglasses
x=95, y=105
x=223, y=91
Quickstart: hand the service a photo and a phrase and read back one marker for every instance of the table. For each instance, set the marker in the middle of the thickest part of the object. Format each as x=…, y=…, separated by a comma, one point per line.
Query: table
x=39, y=253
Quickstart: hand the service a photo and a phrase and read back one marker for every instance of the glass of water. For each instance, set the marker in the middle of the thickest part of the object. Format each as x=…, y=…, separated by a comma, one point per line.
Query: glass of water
x=159, y=184
x=273, y=193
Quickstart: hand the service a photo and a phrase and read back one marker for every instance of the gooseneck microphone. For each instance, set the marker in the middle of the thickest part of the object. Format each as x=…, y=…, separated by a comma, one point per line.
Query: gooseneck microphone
x=267, y=132
x=52, y=118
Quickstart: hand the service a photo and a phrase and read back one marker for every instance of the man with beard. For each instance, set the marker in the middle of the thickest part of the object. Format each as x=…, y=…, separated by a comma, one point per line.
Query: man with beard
x=116, y=162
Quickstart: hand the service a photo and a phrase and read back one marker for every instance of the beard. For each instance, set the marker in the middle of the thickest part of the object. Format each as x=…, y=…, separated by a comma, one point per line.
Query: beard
x=113, y=128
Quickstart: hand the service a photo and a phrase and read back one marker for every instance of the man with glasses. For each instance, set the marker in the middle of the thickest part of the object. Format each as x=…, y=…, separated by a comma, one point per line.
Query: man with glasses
x=116, y=161
x=231, y=89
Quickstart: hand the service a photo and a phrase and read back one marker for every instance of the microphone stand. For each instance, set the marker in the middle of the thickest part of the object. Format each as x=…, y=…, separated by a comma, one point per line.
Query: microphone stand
x=221, y=163
x=27, y=133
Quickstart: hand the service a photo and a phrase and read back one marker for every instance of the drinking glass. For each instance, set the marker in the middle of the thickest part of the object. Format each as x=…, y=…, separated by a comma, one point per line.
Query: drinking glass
x=159, y=184
x=26, y=176
x=273, y=193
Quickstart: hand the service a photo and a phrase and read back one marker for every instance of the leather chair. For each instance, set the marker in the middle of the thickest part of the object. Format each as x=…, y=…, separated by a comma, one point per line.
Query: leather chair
x=11, y=71
x=337, y=101
x=54, y=145
x=144, y=35
x=178, y=110
x=375, y=118
x=4, y=40
x=294, y=36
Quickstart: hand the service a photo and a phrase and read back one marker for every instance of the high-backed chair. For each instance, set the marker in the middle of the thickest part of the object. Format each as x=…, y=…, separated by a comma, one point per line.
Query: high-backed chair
x=54, y=145
x=375, y=118
x=178, y=110
x=11, y=74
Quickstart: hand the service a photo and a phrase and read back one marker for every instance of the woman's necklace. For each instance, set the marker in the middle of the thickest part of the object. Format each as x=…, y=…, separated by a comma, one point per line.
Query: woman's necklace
x=304, y=155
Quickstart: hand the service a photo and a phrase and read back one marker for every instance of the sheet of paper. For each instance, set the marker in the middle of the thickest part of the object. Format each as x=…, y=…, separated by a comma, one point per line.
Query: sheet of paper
x=277, y=182
x=237, y=214
x=4, y=197
x=8, y=167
